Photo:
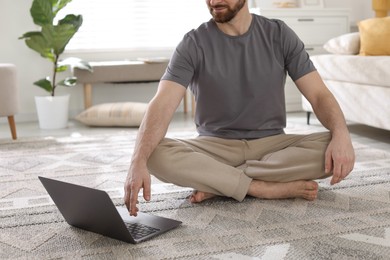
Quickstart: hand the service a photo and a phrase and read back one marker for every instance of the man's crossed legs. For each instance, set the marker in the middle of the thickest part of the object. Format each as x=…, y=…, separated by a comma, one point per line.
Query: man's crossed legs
x=275, y=167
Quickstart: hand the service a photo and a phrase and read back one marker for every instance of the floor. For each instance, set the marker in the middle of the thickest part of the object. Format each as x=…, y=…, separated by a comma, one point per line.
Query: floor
x=377, y=138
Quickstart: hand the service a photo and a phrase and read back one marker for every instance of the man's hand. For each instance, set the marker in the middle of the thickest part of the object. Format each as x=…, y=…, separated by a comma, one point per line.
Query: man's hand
x=137, y=178
x=339, y=158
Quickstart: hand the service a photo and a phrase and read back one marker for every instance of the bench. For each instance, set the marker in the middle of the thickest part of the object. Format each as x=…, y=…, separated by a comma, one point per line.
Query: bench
x=121, y=72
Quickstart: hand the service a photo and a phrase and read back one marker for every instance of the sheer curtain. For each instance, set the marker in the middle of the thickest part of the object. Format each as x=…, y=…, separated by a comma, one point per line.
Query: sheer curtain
x=134, y=24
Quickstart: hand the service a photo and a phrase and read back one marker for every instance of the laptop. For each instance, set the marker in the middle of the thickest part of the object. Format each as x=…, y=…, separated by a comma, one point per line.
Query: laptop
x=93, y=210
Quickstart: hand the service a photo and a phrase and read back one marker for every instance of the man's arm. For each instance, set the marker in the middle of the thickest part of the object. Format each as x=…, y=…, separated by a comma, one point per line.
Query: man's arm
x=339, y=156
x=152, y=130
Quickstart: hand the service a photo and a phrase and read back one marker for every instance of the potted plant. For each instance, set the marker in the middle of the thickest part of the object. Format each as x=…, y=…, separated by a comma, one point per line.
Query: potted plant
x=50, y=42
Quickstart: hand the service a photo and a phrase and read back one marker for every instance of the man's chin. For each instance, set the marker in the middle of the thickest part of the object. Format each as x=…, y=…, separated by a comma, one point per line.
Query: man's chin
x=222, y=21
x=221, y=18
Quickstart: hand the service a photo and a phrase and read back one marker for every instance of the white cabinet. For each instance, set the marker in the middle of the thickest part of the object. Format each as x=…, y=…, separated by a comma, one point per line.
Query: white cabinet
x=314, y=27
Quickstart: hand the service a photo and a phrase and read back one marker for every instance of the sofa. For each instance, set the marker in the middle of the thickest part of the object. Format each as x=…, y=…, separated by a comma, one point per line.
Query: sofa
x=357, y=71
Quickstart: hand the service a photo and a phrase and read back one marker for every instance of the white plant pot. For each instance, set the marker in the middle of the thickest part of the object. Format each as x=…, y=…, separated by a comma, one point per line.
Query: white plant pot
x=52, y=111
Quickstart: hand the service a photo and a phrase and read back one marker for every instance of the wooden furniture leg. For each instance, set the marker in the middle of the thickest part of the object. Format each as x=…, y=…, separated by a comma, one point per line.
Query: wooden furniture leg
x=308, y=117
x=193, y=105
x=185, y=103
x=12, y=126
x=87, y=95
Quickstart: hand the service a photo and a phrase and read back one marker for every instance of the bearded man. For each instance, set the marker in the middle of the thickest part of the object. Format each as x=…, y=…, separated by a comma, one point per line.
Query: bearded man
x=236, y=66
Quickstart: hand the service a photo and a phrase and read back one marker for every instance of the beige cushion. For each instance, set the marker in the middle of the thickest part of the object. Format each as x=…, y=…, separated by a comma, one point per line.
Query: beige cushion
x=375, y=36
x=346, y=44
x=114, y=114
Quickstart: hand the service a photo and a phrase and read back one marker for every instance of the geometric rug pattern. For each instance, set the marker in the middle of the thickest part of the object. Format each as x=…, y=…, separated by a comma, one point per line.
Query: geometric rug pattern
x=350, y=220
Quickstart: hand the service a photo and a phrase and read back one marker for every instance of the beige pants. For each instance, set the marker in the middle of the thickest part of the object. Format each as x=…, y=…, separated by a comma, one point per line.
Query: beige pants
x=226, y=167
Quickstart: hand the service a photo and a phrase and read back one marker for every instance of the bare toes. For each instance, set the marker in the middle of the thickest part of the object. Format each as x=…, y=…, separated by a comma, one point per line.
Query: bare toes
x=199, y=196
x=311, y=191
x=311, y=185
x=310, y=196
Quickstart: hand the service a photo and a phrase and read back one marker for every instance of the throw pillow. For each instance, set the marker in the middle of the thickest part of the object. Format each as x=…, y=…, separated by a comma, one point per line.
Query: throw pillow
x=114, y=114
x=348, y=44
x=375, y=36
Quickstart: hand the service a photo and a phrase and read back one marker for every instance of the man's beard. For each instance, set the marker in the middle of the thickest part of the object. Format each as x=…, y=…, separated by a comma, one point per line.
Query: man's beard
x=229, y=14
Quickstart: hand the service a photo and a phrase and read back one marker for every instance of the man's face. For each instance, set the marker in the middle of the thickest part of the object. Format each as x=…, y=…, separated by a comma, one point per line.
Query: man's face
x=224, y=11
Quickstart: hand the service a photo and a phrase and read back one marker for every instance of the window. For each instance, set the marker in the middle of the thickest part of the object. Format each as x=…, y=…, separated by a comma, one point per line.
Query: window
x=134, y=24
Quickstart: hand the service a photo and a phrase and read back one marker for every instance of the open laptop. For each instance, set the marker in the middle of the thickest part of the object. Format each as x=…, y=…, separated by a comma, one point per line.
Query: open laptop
x=92, y=210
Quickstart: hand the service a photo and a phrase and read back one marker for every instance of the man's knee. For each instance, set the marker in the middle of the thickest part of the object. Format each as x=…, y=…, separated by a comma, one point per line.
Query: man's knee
x=163, y=160
x=158, y=159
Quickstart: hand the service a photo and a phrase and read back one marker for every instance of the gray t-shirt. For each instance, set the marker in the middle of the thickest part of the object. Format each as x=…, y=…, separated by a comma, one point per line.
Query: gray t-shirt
x=238, y=81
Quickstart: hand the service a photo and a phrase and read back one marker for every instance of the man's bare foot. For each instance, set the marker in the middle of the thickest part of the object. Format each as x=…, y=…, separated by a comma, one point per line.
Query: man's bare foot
x=199, y=196
x=270, y=190
x=282, y=190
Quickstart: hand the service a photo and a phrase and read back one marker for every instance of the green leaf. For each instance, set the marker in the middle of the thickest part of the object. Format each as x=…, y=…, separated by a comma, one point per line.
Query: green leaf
x=75, y=20
x=58, y=36
x=42, y=12
x=45, y=84
x=68, y=82
x=62, y=68
x=48, y=34
x=38, y=43
x=29, y=34
x=64, y=33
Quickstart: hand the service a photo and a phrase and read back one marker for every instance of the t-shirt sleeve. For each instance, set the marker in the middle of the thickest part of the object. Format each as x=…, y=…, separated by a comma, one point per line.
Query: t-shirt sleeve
x=297, y=60
x=181, y=67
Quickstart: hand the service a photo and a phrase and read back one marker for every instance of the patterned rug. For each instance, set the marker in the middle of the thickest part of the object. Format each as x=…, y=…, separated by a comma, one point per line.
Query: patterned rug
x=347, y=221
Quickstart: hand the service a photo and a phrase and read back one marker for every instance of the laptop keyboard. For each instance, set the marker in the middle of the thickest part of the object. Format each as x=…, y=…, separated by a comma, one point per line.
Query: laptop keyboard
x=138, y=230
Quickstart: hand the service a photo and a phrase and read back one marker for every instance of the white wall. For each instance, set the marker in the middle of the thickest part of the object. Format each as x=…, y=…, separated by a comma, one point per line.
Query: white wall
x=15, y=20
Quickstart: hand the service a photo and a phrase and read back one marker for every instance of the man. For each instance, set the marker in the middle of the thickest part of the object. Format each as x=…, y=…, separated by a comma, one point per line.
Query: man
x=236, y=66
